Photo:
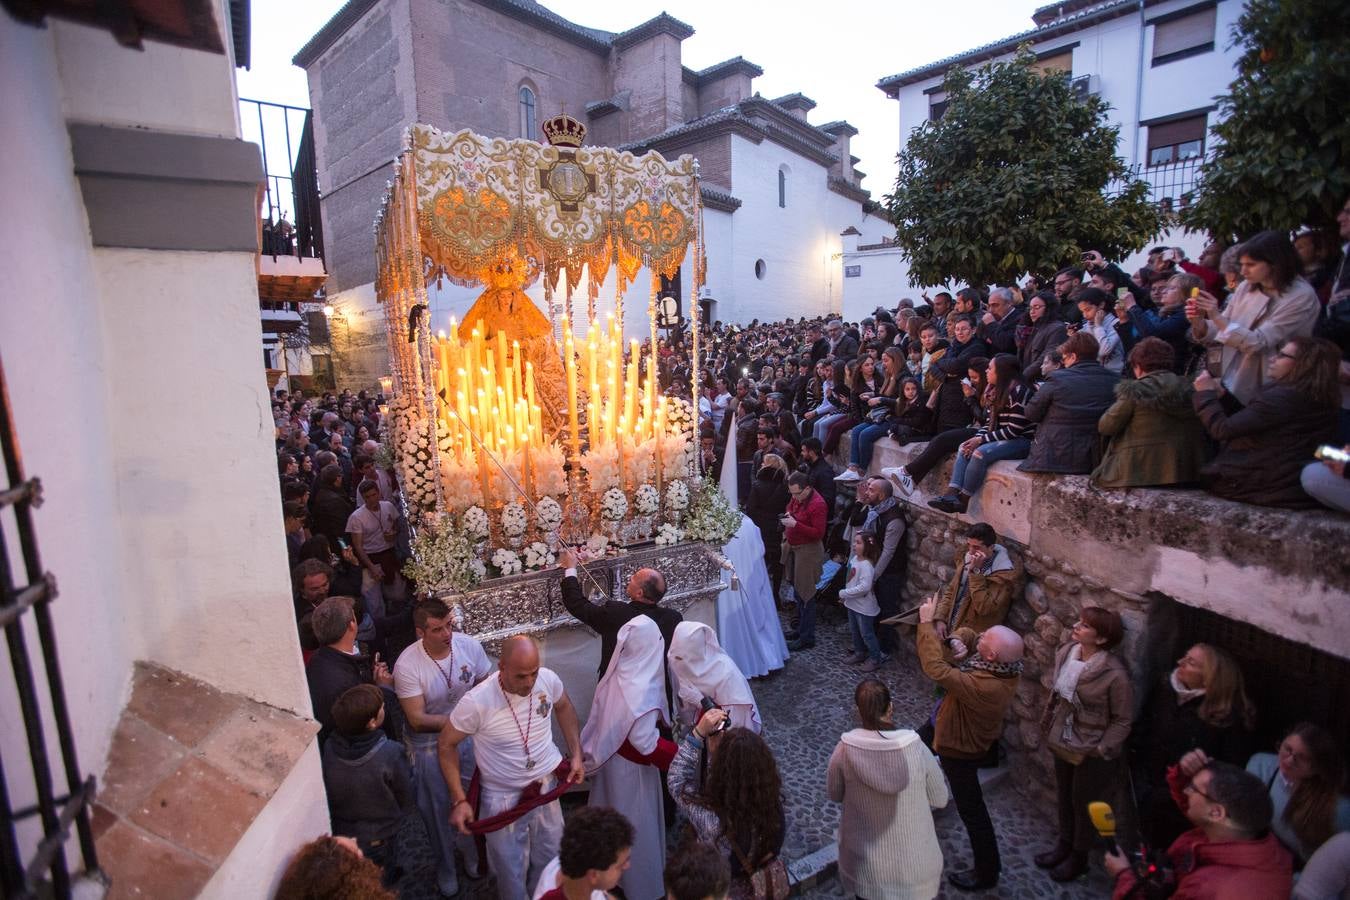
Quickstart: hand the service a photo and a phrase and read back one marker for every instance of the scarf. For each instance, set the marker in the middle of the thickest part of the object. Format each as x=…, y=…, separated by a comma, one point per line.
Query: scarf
x=998, y=669
x=355, y=747
x=873, y=512
x=1184, y=694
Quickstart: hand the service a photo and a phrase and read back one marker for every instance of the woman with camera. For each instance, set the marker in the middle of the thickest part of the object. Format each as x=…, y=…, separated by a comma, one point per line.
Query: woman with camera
x=889, y=784
x=739, y=806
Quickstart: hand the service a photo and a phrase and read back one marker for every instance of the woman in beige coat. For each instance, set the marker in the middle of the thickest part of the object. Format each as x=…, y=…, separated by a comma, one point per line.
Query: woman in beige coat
x=1085, y=722
x=889, y=783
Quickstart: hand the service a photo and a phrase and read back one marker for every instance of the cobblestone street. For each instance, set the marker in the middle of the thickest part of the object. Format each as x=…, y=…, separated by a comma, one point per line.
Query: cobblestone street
x=806, y=707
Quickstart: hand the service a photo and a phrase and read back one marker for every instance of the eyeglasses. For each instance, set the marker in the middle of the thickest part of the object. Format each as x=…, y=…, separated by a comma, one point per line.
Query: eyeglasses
x=1282, y=355
x=1192, y=789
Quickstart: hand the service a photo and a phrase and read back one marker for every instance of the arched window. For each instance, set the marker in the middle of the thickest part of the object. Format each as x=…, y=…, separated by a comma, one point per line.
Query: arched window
x=527, y=114
x=782, y=187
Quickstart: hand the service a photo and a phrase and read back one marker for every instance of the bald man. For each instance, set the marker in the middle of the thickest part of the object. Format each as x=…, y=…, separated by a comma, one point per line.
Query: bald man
x=645, y=589
x=509, y=717
x=978, y=691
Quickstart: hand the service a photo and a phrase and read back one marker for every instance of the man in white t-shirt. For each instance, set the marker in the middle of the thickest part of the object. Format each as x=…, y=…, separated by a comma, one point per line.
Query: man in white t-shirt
x=373, y=527
x=510, y=718
x=430, y=677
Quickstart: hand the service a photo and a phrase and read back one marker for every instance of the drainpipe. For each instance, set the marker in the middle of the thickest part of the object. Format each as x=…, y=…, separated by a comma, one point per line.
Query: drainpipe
x=1139, y=87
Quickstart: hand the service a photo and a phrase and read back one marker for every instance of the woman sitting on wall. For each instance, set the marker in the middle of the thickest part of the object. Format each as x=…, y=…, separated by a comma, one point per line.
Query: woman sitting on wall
x=1045, y=331
x=1305, y=779
x=1156, y=438
x=913, y=423
x=959, y=406
x=1006, y=435
x=1167, y=322
x=1085, y=723
x=1263, y=448
x=878, y=409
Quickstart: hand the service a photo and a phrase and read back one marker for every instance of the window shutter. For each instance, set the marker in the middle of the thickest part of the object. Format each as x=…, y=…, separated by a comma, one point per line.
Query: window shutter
x=1179, y=132
x=1184, y=33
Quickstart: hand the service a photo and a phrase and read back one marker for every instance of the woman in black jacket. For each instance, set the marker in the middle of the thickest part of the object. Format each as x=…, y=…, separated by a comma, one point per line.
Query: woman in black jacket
x=912, y=423
x=1045, y=333
x=765, y=506
x=957, y=408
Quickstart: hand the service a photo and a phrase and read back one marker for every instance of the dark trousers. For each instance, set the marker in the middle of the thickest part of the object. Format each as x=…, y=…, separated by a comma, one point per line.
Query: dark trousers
x=938, y=449
x=964, y=777
x=1078, y=785
x=887, y=588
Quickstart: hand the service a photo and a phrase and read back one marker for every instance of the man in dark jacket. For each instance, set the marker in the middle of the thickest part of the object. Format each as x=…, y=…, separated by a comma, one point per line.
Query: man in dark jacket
x=886, y=523
x=820, y=472
x=1068, y=407
x=331, y=507
x=998, y=327
x=645, y=590
x=843, y=346
x=338, y=664
x=820, y=347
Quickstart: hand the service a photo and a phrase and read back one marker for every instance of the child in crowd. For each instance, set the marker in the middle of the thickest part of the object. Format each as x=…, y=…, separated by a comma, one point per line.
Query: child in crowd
x=861, y=601
x=369, y=784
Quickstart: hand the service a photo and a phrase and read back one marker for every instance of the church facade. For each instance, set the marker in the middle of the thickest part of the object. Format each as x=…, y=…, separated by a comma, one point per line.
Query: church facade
x=778, y=190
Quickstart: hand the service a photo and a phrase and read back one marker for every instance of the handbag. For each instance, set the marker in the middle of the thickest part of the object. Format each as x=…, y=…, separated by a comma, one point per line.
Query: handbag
x=768, y=882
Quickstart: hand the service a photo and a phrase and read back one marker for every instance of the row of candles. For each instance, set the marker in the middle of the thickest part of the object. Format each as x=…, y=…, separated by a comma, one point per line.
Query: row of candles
x=489, y=399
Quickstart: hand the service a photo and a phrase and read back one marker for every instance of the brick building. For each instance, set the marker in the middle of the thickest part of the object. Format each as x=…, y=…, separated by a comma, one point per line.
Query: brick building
x=778, y=189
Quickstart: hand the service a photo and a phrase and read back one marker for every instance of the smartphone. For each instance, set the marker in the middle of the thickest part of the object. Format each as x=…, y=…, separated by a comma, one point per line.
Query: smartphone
x=966, y=382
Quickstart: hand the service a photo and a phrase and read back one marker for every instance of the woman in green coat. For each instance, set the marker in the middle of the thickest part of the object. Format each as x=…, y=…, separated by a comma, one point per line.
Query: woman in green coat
x=1156, y=437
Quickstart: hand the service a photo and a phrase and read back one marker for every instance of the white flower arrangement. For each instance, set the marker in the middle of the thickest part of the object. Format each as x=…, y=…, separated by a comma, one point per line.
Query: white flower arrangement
x=602, y=467
x=679, y=416
x=613, y=505
x=646, y=500
x=548, y=515
x=514, y=521
x=668, y=534
x=549, y=475
x=639, y=460
x=596, y=545
x=443, y=558
x=675, y=453
x=459, y=483
x=538, y=556
x=475, y=523
x=712, y=518
x=677, y=497
x=505, y=561
x=505, y=474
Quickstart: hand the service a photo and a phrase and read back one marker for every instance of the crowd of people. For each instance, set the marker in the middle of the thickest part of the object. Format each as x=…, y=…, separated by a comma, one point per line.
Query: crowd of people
x=1228, y=374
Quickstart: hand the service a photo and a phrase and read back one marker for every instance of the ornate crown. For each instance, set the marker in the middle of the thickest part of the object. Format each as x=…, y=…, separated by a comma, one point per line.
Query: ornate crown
x=564, y=131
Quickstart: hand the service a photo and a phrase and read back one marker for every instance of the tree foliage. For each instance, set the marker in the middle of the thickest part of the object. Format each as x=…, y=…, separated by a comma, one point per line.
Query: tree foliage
x=1281, y=158
x=1012, y=179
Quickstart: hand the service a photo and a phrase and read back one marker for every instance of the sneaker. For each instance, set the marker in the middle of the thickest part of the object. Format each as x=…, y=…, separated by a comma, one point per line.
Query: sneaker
x=854, y=659
x=900, y=478
x=870, y=665
x=946, y=503
x=848, y=476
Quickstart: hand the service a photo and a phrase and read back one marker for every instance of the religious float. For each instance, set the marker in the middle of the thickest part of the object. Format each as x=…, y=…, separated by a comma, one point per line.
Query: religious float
x=518, y=429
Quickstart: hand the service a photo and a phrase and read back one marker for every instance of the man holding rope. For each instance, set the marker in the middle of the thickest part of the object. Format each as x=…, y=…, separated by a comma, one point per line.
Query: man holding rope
x=513, y=800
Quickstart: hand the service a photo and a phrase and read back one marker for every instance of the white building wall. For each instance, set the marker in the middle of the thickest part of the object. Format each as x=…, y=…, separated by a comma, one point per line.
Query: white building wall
x=798, y=243
x=140, y=400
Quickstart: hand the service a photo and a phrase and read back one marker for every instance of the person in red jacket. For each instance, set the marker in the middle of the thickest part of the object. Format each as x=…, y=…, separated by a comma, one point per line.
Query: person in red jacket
x=1231, y=851
x=803, y=555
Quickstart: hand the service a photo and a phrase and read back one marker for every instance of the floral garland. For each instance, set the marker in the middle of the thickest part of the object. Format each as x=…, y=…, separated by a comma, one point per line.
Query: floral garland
x=443, y=559
x=668, y=534
x=412, y=453
x=514, y=521
x=646, y=501
x=613, y=505
x=712, y=518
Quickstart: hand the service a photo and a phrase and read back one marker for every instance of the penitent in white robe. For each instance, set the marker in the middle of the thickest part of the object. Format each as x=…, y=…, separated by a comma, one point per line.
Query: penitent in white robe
x=635, y=791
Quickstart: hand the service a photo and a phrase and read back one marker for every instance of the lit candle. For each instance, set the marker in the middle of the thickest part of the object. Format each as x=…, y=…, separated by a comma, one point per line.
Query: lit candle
x=572, y=419
x=660, y=436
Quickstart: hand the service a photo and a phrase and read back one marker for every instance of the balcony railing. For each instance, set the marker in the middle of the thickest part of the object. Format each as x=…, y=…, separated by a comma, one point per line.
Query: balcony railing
x=291, y=225
x=1171, y=185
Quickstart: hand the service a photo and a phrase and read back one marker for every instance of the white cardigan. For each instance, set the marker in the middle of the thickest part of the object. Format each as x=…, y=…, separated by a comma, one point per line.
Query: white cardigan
x=858, y=595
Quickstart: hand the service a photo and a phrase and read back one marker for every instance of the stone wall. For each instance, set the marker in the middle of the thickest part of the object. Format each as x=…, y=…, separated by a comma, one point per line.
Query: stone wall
x=1139, y=553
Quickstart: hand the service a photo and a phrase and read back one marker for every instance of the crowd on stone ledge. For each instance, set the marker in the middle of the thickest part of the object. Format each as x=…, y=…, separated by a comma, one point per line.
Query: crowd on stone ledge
x=1228, y=373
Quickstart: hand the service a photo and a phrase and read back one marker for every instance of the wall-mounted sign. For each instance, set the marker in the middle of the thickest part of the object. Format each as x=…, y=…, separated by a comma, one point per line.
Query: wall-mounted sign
x=852, y=271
